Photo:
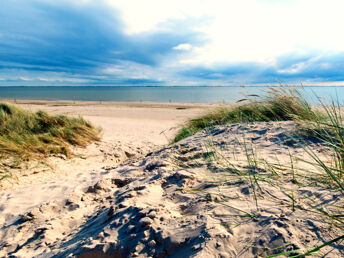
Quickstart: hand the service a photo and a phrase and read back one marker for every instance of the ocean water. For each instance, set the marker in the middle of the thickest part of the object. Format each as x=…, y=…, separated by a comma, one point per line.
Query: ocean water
x=176, y=94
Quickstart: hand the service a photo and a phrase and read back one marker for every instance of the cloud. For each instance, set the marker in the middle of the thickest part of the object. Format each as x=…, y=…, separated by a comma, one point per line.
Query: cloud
x=294, y=69
x=184, y=46
x=130, y=42
x=45, y=36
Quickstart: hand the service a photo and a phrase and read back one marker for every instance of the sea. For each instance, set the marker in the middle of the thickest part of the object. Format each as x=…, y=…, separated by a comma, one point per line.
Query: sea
x=172, y=94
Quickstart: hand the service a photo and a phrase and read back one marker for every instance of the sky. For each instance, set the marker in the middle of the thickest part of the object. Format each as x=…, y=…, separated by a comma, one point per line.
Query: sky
x=171, y=42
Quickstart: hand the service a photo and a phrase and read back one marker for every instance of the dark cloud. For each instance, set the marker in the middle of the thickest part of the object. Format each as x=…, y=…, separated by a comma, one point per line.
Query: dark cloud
x=291, y=68
x=79, y=38
x=78, y=41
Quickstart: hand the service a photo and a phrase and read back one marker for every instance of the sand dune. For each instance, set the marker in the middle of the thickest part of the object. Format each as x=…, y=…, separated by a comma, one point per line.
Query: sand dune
x=191, y=199
x=128, y=130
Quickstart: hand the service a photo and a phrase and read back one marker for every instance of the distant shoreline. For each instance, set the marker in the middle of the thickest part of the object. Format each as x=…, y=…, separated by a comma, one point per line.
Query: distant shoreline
x=146, y=104
x=162, y=86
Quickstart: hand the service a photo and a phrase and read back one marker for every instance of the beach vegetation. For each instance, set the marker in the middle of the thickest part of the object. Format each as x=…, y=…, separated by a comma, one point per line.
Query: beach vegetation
x=277, y=104
x=25, y=135
x=320, y=135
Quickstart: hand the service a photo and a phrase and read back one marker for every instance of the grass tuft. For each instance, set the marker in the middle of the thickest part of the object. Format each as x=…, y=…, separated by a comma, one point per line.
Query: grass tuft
x=25, y=135
x=280, y=104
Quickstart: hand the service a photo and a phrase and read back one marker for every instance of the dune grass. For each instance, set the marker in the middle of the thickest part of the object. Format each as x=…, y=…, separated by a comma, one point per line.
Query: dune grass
x=280, y=104
x=324, y=126
x=26, y=135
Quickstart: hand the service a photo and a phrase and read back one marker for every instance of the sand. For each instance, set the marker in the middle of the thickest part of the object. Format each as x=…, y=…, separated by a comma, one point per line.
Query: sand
x=128, y=130
x=195, y=198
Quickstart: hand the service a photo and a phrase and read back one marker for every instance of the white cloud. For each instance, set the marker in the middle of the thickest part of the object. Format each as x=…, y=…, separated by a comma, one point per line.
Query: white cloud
x=61, y=79
x=293, y=69
x=287, y=37
x=246, y=30
x=131, y=70
x=112, y=70
x=184, y=46
x=141, y=16
x=52, y=78
x=25, y=78
x=45, y=79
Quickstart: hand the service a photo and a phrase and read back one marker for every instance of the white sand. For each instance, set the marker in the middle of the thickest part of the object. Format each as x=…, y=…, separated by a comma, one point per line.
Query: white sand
x=128, y=130
x=148, y=206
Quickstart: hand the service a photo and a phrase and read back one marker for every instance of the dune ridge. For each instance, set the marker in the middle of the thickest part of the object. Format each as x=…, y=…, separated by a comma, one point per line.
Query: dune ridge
x=186, y=200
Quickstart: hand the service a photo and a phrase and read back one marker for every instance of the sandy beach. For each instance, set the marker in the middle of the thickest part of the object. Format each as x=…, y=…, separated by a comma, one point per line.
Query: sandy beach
x=134, y=195
x=128, y=130
x=171, y=129
x=130, y=122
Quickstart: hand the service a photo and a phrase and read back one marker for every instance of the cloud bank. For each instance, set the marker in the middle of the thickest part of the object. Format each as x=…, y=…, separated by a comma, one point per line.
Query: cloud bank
x=169, y=42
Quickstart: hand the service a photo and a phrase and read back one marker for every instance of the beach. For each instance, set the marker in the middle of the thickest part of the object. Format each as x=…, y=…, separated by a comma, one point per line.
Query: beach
x=171, y=129
x=139, y=122
x=128, y=130
x=235, y=190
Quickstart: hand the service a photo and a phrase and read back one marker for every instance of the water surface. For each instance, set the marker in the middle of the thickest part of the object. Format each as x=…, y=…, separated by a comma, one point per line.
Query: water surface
x=183, y=94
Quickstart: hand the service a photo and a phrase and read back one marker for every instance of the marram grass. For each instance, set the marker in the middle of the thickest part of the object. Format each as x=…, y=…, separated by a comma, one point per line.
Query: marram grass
x=25, y=135
x=280, y=104
x=324, y=127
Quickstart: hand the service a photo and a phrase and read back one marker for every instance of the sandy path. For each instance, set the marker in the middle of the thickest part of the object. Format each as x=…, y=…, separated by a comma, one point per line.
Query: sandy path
x=129, y=130
x=195, y=198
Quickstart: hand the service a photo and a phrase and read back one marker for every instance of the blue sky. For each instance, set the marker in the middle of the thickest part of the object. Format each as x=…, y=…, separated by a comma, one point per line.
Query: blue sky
x=157, y=42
